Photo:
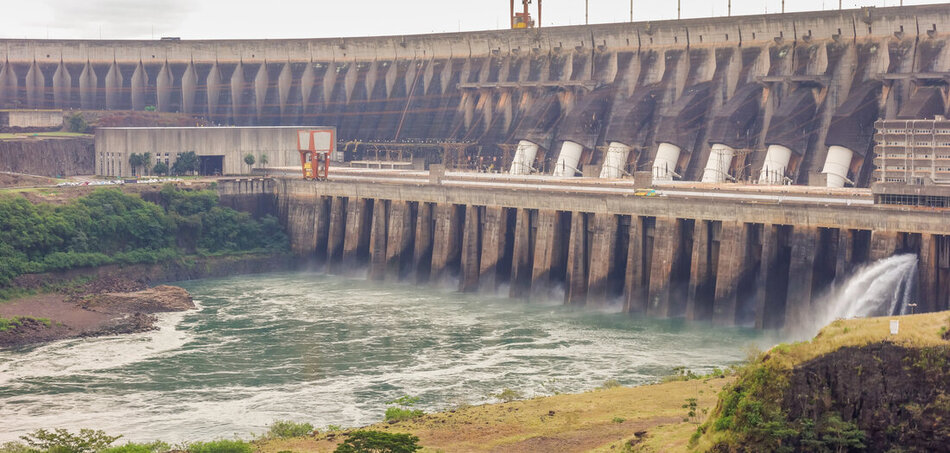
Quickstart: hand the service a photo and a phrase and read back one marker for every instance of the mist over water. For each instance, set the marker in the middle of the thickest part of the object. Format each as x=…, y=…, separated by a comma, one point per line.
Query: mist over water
x=331, y=350
x=881, y=288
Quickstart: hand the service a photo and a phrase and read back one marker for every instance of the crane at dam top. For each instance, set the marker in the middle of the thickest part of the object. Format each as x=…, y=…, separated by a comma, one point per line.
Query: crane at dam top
x=315, y=146
x=523, y=19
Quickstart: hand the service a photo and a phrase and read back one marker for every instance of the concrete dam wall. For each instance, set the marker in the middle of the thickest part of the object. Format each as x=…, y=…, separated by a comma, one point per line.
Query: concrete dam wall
x=48, y=157
x=775, y=99
x=733, y=263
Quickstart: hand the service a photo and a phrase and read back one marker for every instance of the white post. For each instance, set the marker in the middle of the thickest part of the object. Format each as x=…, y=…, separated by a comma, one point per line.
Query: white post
x=523, y=162
x=568, y=159
x=615, y=160
x=776, y=162
x=837, y=164
x=664, y=166
x=720, y=160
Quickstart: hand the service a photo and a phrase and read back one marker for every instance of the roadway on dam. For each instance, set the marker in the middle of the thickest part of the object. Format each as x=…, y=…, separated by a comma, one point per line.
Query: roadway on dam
x=737, y=192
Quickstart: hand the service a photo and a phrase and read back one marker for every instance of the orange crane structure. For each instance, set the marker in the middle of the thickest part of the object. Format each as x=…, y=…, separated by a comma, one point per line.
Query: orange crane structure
x=523, y=19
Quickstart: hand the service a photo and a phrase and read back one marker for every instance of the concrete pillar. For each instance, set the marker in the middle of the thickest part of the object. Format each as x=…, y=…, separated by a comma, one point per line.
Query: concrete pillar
x=577, y=260
x=471, y=249
x=303, y=231
x=323, y=228
x=355, y=219
x=633, y=288
x=336, y=231
x=602, y=248
x=731, y=267
x=664, y=253
x=769, y=255
x=401, y=223
x=422, y=252
x=377, y=242
x=493, y=226
x=522, y=255
x=543, y=252
x=883, y=244
x=702, y=275
x=800, y=273
x=927, y=274
x=844, y=258
x=445, y=250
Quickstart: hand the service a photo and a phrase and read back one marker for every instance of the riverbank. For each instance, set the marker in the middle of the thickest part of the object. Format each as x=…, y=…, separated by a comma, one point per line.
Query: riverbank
x=115, y=299
x=856, y=368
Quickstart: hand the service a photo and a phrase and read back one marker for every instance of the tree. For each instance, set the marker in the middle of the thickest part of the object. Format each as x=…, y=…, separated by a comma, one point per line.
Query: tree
x=135, y=161
x=160, y=168
x=249, y=160
x=264, y=162
x=378, y=442
x=76, y=123
x=186, y=162
x=146, y=162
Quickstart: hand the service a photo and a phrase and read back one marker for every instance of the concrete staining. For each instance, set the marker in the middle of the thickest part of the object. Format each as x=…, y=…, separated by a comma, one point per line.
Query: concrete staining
x=756, y=262
x=771, y=93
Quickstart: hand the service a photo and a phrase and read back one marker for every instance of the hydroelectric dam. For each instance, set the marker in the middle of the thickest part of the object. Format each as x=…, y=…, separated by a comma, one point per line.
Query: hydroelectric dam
x=714, y=169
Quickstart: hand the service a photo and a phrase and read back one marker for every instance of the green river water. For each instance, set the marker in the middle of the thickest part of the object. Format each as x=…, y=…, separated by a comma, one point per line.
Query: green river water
x=333, y=350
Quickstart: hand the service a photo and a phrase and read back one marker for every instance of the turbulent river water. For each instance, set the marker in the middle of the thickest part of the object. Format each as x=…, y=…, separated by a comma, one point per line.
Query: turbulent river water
x=333, y=350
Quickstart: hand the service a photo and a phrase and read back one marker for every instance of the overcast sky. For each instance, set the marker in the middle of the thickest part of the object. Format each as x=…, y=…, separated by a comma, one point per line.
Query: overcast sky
x=233, y=19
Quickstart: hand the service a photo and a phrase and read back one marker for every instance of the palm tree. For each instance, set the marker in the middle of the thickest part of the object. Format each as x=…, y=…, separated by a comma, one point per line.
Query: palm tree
x=264, y=163
x=249, y=160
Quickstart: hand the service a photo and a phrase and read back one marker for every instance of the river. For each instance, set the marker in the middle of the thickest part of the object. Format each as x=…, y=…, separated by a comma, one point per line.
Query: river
x=333, y=350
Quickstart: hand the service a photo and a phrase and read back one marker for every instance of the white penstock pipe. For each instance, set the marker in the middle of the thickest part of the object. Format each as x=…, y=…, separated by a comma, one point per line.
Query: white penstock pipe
x=720, y=160
x=568, y=159
x=615, y=160
x=664, y=166
x=523, y=163
x=837, y=164
x=776, y=162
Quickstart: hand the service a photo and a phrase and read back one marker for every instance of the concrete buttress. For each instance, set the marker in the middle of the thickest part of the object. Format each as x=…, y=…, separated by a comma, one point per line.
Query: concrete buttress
x=471, y=249
x=543, y=253
x=422, y=251
x=664, y=253
x=337, y=230
x=603, y=245
x=732, y=266
x=377, y=242
x=578, y=260
x=522, y=257
x=493, y=227
x=798, y=302
x=401, y=231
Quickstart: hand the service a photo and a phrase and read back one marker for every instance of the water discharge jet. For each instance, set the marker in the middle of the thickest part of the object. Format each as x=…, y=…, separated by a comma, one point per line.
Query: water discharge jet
x=881, y=288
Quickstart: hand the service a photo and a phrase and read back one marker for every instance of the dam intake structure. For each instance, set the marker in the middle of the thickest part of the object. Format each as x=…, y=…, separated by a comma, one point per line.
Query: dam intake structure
x=773, y=99
x=763, y=259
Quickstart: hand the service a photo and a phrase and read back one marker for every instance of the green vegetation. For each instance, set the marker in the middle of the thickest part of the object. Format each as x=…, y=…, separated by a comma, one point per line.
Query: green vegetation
x=220, y=446
x=77, y=124
x=133, y=447
x=160, y=168
x=17, y=321
x=610, y=384
x=249, y=160
x=143, y=160
x=750, y=415
x=109, y=226
x=62, y=441
x=285, y=429
x=508, y=395
x=368, y=441
x=185, y=163
x=405, y=412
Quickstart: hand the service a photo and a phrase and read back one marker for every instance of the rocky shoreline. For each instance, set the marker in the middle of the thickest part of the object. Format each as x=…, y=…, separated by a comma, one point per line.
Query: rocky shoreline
x=104, y=306
x=117, y=299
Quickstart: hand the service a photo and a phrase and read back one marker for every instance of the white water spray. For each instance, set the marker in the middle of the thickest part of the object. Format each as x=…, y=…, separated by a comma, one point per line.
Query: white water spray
x=881, y=288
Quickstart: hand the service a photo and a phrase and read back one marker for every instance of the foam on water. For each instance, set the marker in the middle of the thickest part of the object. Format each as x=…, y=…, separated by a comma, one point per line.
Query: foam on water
x=331, y=350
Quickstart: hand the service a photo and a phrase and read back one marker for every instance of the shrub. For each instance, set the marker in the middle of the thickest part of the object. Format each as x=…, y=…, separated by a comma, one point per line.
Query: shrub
x=363, y=441
x=283, y=429
x=618, y=420
x=76, y=123
x=62, y=441
x=610, y=384
x=220, y=446
x=132, y=447
x=399, y=414
x=508, y=395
